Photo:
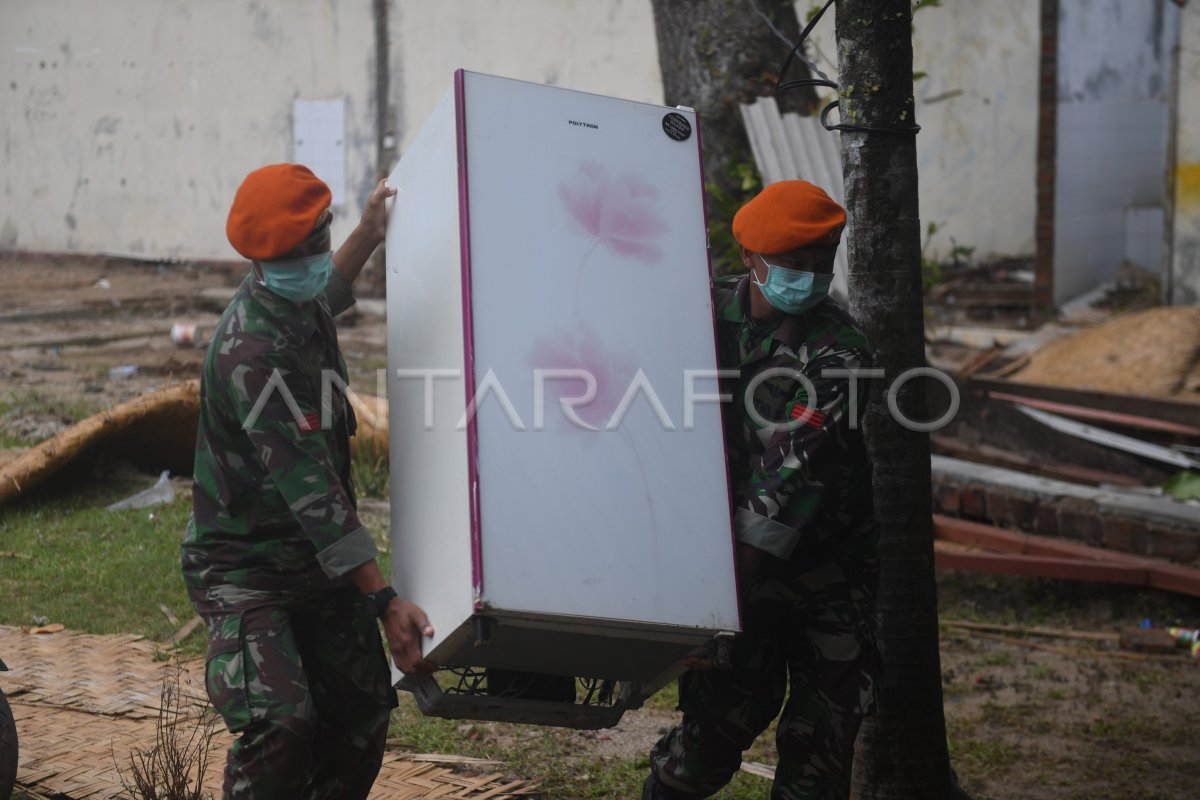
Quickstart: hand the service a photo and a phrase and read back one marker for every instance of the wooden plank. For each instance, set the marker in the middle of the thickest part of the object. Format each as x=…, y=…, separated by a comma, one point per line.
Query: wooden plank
x=1147, y=640
x=1041, y=567
x=977, y=534
x=1116, y=417
x=1036, y=630
x=1179, y=411
x=1176, y=578
x=1159, y=574
x=1075, y=651
x=990, y=294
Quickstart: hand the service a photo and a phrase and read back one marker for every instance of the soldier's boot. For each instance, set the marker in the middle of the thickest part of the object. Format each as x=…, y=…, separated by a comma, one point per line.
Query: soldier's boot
x=653, y=789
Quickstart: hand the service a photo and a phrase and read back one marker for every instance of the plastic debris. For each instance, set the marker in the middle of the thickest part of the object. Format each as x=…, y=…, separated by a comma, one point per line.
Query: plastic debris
x=160, y=493
x=123, y=371
x=1187, y=637
x=184, y=334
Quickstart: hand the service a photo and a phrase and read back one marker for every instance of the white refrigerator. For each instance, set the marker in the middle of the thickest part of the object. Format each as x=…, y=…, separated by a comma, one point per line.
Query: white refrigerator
x=559, y=490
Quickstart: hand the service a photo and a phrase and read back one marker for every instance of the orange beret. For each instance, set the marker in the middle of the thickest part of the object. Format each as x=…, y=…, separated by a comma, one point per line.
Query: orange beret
x=789, y=215
x=275, y=209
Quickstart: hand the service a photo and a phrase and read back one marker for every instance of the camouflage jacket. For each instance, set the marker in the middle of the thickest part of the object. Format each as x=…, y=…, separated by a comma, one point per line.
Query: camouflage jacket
x=799, y=472
x=273, y=504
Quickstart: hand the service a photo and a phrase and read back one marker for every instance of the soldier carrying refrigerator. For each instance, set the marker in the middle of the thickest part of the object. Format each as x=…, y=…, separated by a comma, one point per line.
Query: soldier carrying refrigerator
x=276, y=559
x=807, y=538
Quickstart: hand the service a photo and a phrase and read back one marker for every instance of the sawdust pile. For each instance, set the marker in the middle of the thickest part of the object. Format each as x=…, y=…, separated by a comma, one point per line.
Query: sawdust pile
x=1153, y=352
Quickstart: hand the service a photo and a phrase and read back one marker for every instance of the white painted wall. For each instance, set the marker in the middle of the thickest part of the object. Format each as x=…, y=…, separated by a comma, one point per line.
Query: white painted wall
x=602, y=46
x=126, y=125
x=977, y=108
x=1113, y=132
x=1184, y=285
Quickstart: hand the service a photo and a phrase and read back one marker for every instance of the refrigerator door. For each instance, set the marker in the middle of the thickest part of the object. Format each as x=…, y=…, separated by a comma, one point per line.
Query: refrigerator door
x=597, y=444
x=432, y=562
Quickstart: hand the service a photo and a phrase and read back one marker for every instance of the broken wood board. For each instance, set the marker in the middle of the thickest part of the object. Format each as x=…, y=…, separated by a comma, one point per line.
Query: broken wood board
x=973, y=546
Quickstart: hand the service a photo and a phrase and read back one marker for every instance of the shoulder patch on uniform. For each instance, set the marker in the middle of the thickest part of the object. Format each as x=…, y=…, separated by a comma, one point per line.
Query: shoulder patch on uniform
x=810, y=416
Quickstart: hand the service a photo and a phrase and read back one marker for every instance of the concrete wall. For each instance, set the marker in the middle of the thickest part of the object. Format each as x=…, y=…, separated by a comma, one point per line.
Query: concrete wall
x=126, y=126
x=602, y=46
x=977, y=108
x=1113, y=133
x=1184, y=283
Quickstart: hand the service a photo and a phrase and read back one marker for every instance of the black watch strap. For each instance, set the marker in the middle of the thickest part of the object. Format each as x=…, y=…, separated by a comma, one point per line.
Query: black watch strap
x=380, y=599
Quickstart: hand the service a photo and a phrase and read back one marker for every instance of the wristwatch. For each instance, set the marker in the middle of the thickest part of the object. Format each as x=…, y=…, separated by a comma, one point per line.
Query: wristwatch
x=380, y=598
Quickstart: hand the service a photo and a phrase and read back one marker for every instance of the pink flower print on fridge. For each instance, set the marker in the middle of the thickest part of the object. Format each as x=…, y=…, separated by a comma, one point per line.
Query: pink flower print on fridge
x=618, y=212
x=581, y=382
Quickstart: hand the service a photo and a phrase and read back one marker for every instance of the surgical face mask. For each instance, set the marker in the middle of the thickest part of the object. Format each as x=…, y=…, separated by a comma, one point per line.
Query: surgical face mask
x=299, y=279
x=790, y=290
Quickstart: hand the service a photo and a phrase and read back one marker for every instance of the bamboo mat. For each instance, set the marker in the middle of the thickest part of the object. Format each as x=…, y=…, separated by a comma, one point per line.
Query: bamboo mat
x=84, y=703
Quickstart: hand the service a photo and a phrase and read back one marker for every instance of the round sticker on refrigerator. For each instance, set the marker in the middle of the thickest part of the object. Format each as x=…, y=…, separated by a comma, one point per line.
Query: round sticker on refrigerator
x=677, y=126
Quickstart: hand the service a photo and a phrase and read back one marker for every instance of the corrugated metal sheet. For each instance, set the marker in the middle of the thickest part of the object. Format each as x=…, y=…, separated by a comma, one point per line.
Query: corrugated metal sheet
x=789, y=146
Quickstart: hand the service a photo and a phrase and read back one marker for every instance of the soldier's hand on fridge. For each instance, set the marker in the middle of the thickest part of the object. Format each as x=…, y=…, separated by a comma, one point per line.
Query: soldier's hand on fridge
x=374, y=218
x=404, y=625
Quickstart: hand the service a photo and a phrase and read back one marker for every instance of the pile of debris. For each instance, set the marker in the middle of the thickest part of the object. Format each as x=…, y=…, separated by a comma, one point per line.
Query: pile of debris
x=1086, y=433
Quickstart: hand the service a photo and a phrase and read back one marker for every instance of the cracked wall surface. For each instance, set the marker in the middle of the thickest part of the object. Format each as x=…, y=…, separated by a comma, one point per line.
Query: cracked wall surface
x=126, y=126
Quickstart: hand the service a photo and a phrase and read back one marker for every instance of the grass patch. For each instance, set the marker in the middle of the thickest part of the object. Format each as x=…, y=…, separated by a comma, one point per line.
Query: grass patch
x=369, y=470
x=1041, y=672
x=999, y=658
x=1146, y=680
x=90, y=569
x=980, y=757
x=666, y=698
x=26, y=418
x=562, y=762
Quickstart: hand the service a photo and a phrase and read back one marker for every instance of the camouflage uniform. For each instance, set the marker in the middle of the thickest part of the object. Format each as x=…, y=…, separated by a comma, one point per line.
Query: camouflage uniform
x=295, y=662
x=802, y=495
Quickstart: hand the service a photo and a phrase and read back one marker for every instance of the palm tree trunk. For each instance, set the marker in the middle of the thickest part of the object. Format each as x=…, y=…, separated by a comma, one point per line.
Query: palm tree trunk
x=901, y=751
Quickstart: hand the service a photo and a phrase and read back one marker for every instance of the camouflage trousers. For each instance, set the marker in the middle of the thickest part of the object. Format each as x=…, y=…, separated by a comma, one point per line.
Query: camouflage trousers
x=302, y=676
x=812, y=644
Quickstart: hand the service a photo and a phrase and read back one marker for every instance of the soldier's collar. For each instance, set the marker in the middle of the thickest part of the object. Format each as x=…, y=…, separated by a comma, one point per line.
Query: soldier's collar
x=298, y=322
x=790, y=330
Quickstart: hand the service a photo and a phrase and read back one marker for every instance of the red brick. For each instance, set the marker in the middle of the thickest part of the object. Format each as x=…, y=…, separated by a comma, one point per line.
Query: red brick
x=1126, y=535
x=1045, y=521
x=945, y=498
x=1081, y=524
x=1022, y=511
x=997, y=507
x=1176, y=545
x=973, y=503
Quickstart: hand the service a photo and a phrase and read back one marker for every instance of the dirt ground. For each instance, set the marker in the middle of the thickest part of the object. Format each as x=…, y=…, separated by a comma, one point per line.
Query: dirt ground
x=1023, y=722
x=1075, y=721
x=91, y=333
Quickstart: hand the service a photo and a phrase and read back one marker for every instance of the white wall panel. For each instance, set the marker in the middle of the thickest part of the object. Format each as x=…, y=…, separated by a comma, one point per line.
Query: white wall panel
x=1184, y=283
x=977, y=107
x=1113, y=119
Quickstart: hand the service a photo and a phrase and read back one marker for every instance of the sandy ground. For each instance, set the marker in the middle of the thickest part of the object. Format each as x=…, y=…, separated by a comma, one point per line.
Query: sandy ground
x=1023, y=723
